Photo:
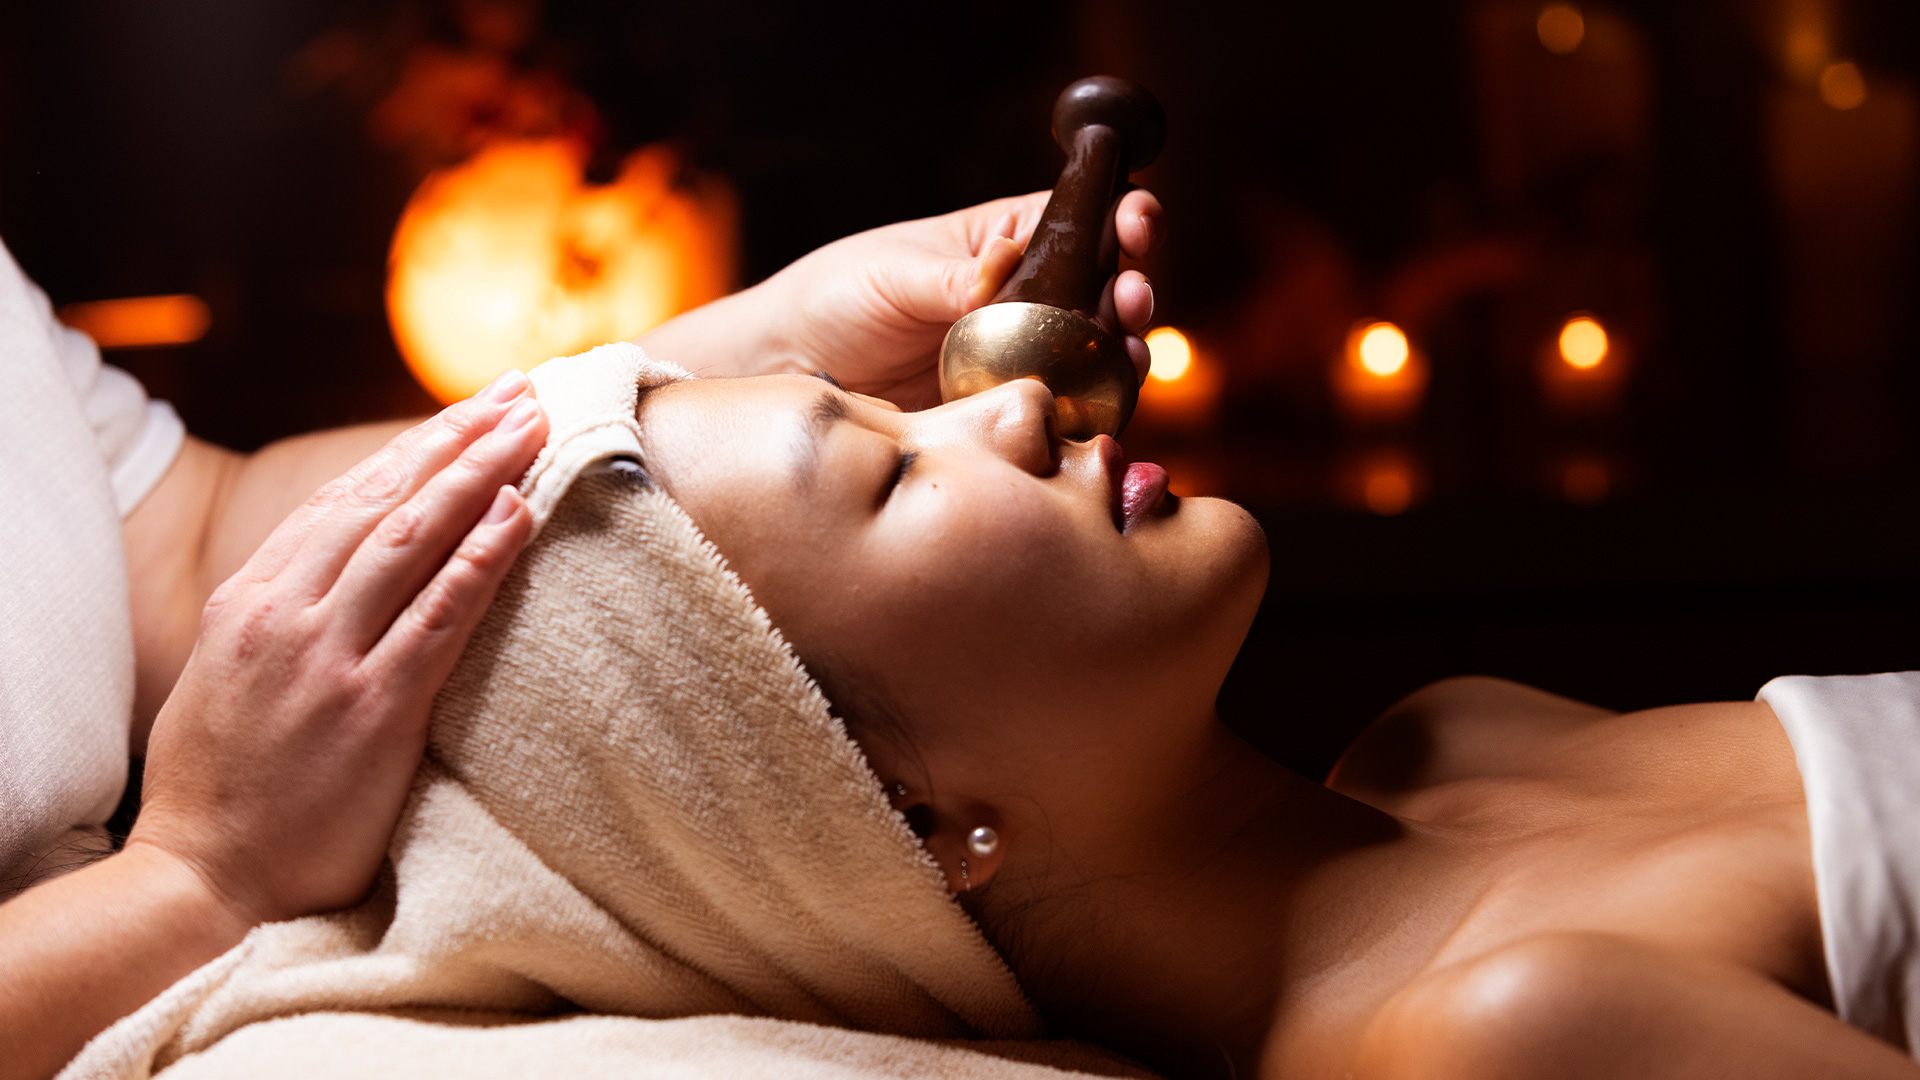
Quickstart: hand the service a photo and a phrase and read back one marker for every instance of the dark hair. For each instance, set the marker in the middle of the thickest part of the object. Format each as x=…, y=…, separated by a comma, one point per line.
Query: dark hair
x=83, y=846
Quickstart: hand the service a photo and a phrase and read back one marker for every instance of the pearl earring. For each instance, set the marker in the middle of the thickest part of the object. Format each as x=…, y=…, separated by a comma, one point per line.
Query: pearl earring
x=983, y=841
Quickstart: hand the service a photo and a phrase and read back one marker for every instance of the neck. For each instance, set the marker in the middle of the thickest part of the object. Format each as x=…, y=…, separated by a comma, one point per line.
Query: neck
x=1178, y=926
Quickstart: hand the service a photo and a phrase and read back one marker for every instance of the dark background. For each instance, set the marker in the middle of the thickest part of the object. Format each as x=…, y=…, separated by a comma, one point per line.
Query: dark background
x=1759, y=517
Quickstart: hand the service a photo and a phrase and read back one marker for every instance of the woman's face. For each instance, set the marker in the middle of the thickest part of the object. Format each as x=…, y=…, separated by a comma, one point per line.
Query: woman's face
x=1006, y=595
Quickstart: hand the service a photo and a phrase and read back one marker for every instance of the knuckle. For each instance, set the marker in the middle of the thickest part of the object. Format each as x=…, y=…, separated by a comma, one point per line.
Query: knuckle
x=253, y=630
x=449, y=597
x=331, y=492
x=350, y=687
x=956, y=282
x=383, y=481
x=464, y=421
x=438, y=608
x=401, y=527
x=225, y=595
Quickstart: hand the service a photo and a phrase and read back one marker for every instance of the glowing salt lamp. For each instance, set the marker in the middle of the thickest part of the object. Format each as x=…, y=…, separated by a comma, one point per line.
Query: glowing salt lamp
x=138, y=322
x=511, y=258
x=1183, y=384
x=1379, y=375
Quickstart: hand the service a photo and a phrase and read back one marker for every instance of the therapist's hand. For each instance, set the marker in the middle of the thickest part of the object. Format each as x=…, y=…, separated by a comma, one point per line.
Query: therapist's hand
x=872, y=309
x=278, y=766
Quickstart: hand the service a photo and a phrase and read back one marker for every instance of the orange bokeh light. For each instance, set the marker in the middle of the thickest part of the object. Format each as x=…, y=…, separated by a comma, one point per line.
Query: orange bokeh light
x=1842, y=86
x=1388, y=490
x=1382, y=350
x=1585, y=479
x=1385, y=480
x=137, y=322
x=1183, y=384
x=1583, y=342
x=1561, y=28
x=1379, y=374
x=1172, y=354
x=511, y=258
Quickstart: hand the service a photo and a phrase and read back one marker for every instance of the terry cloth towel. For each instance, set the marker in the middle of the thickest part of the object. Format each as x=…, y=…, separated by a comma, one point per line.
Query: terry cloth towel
x=1856, y=739
x=635, y=804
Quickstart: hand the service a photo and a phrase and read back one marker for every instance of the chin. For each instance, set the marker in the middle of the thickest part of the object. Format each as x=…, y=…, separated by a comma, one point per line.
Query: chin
x=1229, y=549
x=1237, y=539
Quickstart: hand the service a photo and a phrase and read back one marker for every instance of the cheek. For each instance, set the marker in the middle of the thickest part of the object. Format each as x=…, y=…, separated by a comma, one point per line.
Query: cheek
x=1006, y=553
x=1004, y=583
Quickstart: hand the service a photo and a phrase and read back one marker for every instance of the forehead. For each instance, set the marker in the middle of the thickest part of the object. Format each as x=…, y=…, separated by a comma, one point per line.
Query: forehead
x=722, y=404
x=734, y=438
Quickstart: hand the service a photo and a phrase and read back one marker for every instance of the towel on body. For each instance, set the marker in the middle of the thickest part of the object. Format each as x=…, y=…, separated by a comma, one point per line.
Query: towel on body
x=640, y=841
x=1856, y=740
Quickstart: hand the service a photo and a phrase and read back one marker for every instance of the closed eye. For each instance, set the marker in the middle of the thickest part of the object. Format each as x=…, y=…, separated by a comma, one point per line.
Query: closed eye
x=900, y=470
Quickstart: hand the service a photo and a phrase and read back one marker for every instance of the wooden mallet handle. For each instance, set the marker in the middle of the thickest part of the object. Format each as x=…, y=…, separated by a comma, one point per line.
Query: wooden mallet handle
x=1109, y=127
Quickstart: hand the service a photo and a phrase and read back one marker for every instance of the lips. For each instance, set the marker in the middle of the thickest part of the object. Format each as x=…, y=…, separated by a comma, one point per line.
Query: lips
x=1138, y=489
x=1142, y=490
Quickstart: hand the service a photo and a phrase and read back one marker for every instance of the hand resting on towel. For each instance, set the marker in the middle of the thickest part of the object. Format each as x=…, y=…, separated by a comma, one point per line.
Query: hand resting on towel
x=279, y=765
x=283, y=748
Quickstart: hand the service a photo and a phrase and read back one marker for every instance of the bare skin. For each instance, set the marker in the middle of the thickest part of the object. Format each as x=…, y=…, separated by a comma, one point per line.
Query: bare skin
x=1496, y=882
x=282, y=740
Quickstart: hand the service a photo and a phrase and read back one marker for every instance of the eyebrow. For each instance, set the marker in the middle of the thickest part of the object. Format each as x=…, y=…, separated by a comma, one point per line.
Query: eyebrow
x=828, y=409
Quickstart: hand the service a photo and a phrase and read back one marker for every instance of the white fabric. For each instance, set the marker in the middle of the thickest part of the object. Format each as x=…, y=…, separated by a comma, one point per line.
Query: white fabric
x=1856, y=739
x=80, y=445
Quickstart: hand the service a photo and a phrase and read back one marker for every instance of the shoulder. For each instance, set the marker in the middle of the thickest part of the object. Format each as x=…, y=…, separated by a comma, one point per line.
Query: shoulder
x=1596, y=1005
x=1460, y=728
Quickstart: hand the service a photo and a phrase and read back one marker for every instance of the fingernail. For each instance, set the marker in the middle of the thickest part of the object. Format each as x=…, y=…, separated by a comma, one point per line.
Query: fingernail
x=511, y=384
x=504, y=504
x=520, y=415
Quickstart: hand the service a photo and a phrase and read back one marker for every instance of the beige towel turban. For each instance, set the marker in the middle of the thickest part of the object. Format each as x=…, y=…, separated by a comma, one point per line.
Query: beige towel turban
x=635, y=804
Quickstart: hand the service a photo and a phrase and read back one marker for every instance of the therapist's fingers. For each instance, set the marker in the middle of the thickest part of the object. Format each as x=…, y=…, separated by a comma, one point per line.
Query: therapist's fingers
x=1133, y=301
x=1127, y=305
x=464, y=421
x=989, y=272
x=1012, y=218
x=323, y=534
x=419, y=649
x=1140, y=223
x=411, y=545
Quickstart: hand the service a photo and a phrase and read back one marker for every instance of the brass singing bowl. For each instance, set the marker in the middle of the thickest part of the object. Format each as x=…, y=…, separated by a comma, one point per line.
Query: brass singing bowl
x=1092, y=378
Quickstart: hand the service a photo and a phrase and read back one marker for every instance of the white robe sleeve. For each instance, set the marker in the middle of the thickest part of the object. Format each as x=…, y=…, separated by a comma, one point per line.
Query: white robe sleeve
x=138, y=438
x=80, y=445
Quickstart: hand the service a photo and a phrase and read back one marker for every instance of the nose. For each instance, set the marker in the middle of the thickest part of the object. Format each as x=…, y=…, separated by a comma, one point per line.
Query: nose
x=1013, y=421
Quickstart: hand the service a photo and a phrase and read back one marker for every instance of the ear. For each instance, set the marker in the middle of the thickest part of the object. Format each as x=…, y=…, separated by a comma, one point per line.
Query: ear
x=947, y=831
